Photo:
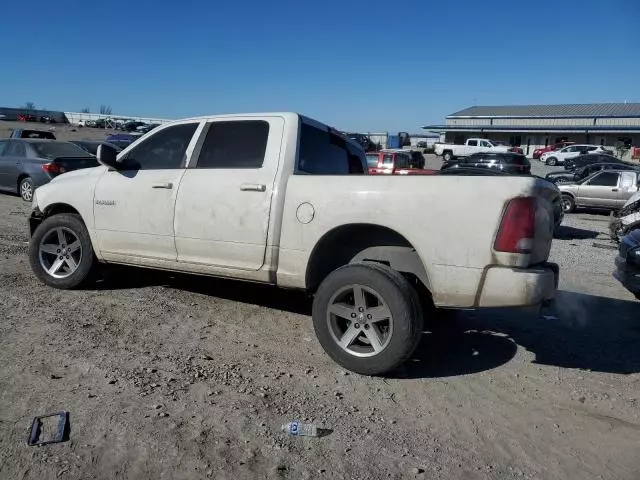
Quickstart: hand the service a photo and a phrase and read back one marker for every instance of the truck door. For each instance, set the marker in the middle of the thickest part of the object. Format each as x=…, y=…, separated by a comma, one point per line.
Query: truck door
x=471, y=147
x=484, y=146
x=134, y=206
x=224, y=201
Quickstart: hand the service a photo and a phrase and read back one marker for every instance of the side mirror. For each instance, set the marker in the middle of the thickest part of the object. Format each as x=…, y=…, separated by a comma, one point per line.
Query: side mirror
x=107, y=156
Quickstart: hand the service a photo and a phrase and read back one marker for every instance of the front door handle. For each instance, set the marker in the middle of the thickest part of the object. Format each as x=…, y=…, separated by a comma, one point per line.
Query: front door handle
x=614, y=189
x=167, y=185
x=253, y=187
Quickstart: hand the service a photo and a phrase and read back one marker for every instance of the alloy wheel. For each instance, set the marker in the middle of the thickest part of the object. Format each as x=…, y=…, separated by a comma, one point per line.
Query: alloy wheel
x=359, y=320
x=26, y=191
x=60, y=252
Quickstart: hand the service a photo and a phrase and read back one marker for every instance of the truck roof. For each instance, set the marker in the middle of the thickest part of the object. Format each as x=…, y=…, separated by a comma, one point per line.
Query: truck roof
x=290, y=115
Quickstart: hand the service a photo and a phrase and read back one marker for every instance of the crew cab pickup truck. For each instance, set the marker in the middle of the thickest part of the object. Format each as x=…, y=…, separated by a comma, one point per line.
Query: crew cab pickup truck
x=449, y=151
x=282, y=199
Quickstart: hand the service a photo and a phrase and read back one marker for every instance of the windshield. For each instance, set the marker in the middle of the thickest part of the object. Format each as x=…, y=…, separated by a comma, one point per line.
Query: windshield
x=58, y=149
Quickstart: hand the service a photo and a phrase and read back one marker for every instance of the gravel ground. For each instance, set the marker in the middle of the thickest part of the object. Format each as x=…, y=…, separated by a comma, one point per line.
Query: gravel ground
x=186, y=377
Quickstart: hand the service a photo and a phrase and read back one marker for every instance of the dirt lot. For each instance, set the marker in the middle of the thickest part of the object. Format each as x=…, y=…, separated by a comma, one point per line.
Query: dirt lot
x=181, y=377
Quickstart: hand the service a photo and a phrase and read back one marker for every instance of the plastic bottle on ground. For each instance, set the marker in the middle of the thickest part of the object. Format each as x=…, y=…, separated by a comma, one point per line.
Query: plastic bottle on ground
x=298, y=429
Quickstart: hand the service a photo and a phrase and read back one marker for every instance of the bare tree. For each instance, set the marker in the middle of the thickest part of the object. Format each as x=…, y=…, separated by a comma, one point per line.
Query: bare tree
x=105, y=110
x=30, y=106
x=85, y=110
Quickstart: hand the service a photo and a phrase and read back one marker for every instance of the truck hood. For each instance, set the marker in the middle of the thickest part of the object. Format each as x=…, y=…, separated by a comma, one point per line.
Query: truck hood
x=82, y=172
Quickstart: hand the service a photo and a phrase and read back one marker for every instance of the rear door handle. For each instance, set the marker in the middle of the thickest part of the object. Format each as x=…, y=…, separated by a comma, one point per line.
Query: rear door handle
x=614, y=189
x=253, y=187
x=167, y=185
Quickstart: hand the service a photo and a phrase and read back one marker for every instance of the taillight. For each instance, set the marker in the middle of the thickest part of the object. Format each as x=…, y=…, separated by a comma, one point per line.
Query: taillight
x=53, y=168
x=517, y=229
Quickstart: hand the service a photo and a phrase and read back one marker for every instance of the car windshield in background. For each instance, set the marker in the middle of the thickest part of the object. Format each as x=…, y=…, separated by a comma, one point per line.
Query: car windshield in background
x=58, y=149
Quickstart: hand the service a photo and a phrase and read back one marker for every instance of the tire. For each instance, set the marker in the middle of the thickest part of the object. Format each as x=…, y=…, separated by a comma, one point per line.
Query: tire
x=568, y=204
x=447, y=156
x=26, y=189
x=43, y=252
x=552, y=161
x=397, y=334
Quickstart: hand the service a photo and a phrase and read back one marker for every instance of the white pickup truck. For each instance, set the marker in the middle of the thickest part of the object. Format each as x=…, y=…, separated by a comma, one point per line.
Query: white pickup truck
x=449, y=151
x=282, y=199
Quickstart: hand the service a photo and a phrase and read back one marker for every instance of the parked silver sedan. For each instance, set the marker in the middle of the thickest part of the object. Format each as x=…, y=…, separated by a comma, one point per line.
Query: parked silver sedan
x=608, y=189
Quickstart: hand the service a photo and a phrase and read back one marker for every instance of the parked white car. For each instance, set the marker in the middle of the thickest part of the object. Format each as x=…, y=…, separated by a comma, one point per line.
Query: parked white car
x=282, y=199
x=557, y=157
x=449, y=151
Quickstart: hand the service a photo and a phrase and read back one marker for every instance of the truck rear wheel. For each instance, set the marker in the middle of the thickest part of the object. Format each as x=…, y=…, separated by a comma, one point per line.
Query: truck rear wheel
x=447, y=156
x=367, y=317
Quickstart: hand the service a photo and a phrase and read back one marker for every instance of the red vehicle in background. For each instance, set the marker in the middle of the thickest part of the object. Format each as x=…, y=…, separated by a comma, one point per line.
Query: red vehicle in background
x=513, y=148
x=396, y=162
x=537, y=153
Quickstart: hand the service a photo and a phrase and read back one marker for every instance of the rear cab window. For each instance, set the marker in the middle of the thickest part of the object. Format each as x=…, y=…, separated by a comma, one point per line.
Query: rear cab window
x=324, y=152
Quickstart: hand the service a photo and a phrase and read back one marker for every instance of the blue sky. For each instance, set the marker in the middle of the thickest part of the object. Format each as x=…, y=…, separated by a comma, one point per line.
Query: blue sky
x=355, y=64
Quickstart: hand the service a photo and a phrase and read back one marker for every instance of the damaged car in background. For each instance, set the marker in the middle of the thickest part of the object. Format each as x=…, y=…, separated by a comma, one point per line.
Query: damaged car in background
x=627, y=263
x=626, y=219
x=606, y=189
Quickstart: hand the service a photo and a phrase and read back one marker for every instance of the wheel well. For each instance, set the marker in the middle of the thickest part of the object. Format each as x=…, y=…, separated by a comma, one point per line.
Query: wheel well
x=567, y=194
x=363, y=242
x=21, y=177
x=54, y=209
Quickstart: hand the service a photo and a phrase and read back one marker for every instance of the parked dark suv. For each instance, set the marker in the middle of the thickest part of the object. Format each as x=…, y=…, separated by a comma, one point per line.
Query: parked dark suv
x=588, y=159
x=505, y=162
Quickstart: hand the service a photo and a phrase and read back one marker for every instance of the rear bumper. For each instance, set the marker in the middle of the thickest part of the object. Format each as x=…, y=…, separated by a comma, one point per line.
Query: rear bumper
x=627, y=275
x=516, y=287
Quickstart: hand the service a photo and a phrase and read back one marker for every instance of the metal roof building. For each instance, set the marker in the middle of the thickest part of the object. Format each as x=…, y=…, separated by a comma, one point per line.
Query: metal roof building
x=532, y=126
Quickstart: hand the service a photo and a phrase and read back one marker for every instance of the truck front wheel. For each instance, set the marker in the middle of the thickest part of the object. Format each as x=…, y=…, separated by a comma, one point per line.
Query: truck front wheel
x=60, y=252
x=447, y=156
x=367, y=317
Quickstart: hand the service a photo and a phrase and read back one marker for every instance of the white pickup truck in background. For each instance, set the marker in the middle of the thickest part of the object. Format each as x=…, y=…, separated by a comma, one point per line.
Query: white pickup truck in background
x=282, y=199
x=449, y=151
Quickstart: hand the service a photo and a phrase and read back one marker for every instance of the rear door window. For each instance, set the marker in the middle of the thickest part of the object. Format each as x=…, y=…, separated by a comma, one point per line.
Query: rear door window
x=3, y=146
x=236, y=144
x=327, y=153
x=402, y=161
x=15, y=149
x=472, y=143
